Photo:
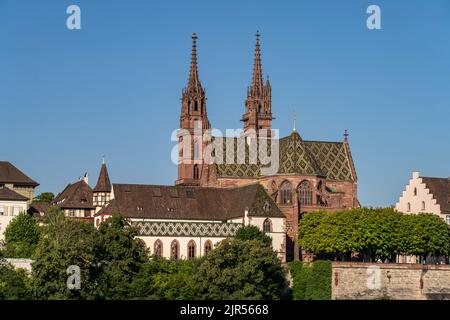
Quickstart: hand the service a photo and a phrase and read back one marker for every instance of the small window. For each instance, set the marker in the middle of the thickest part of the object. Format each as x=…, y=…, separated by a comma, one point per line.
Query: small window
x=267, y=226
x=266, y=207
x=423, y=205
x=415, y=191
x=174, y=250
x=191, y=250
x=196, y=175
x=408, y=207
x=190, y=193
x=158, y=248
x=208, y=247
x=156, y=192
x=173, y=192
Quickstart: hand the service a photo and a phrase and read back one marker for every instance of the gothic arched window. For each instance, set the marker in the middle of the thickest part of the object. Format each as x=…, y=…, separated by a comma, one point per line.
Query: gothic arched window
x=158, y=247
x=195, y=171
x=191, y=249
x=286, y=193
x=305, y=193
x=208, y=246
x=174, y=250
x=267, y=226
x=423, y=205
x=408, y=207
x=196, y=105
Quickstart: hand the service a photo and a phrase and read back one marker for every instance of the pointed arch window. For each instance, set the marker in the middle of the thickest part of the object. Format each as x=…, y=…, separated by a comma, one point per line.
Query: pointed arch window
x=158, y=247
x=408, y=207
x=423, y=205
x=267, y=226
x=196, y=171
x=415, y=191
x=305, y=193
x=175, y=250
x=191, y=250
x=196, y=105
x=286, y=193
x=208, y=246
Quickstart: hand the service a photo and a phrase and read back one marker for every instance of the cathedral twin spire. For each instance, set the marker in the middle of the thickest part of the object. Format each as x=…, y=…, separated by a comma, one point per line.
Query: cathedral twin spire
x=258, y=105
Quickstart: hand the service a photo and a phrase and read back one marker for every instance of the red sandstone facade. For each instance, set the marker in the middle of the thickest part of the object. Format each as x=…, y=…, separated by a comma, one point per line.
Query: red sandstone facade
x=312, y=175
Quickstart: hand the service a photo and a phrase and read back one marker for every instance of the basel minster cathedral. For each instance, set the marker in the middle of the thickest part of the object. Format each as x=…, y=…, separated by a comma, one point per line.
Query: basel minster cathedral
x=312, y=175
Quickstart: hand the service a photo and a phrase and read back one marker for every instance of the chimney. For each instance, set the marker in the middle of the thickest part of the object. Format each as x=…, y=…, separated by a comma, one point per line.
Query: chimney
x=86, y=178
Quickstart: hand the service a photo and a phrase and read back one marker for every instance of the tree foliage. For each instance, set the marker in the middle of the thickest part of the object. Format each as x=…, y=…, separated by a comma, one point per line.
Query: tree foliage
x=21, y=236
x=311, y=281
x=64, y=243
x=14, y=284
x=46, y=197
x=120, y=256
x=238, y=269
x=373, y=234
x=253, y=233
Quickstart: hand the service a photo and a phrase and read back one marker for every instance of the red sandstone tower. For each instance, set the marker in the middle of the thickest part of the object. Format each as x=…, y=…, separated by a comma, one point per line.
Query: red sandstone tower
x=193, y=123
x=258, y=105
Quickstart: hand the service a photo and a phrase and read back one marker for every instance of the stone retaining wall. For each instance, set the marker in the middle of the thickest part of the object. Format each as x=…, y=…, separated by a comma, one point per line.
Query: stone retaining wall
x=351, y=280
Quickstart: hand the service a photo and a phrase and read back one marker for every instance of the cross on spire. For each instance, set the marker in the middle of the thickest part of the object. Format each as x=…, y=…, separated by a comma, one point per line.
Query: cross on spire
x=295, y=120
x=194, y=82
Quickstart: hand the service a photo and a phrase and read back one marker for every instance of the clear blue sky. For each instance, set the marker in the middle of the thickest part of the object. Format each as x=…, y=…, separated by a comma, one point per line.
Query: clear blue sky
x=113, y=88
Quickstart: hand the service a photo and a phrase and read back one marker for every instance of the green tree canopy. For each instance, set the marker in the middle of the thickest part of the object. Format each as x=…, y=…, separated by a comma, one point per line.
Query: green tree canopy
x=64, y=243
x=253, y=233
x=46, y=197
x=120, y=255
x=373, y=234
x=238, y=269
x=14, y=284
x=21, y=236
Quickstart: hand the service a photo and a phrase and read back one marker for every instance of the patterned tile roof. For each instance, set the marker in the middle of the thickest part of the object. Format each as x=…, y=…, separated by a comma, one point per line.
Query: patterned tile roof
x=329, y=159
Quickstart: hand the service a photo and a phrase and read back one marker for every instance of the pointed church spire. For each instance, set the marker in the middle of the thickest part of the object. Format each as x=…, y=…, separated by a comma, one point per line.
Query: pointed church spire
x=258, y=105
x=194, y=81
x=103, y=183
x=257, y=81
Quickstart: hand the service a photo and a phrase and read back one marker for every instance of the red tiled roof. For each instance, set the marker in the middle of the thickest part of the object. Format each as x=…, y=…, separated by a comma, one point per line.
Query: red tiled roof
x=190, y=203
x=440, y=189
x=103, y=183
x=10, y=195
x=10, y=174
x=75, y=196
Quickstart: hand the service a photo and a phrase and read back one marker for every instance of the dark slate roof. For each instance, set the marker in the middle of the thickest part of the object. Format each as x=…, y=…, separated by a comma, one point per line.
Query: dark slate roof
x=328, y=159
x=103, y=183
x=10, y=195
x=78, y=195
x=190, y=203
x=10, y=174
x=440, y=189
